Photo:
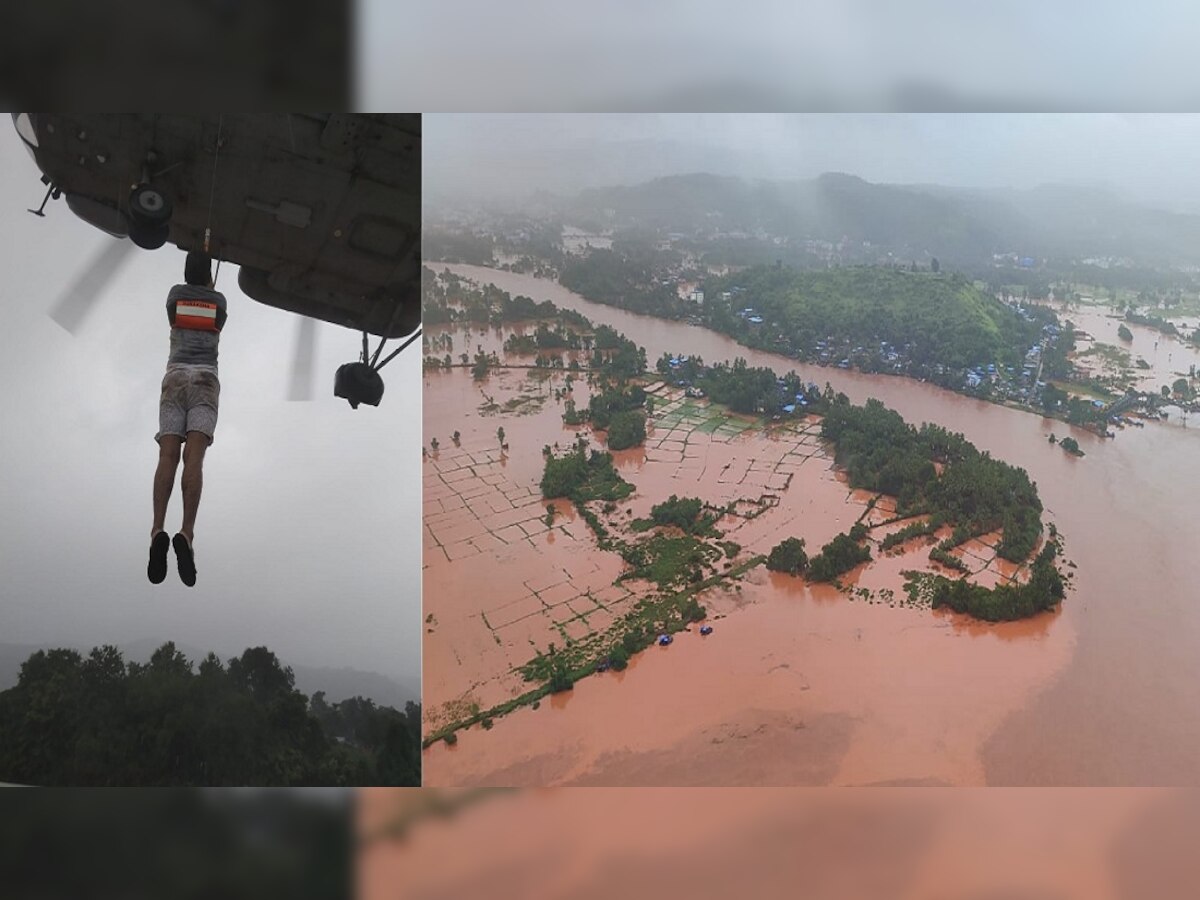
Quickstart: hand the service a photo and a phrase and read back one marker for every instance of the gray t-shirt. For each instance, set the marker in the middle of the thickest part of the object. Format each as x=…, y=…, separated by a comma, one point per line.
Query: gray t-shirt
x=191, y=347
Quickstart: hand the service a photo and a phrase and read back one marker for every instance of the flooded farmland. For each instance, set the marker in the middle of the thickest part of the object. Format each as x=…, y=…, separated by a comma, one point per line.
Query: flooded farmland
x=799, y=683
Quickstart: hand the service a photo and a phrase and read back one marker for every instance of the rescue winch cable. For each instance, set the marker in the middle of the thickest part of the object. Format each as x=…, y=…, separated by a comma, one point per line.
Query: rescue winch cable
x=212, y=191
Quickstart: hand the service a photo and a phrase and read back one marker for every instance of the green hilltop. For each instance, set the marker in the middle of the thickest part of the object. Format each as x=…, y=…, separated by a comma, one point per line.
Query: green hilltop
x=925, y=318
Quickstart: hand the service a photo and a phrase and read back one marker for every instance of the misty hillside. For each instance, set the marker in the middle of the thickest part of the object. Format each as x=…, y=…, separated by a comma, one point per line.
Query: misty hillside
x=1087, y=221
x=959, y=225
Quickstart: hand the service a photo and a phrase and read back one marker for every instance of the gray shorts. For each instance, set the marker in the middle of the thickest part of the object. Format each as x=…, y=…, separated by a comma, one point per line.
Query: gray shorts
x=188, y=403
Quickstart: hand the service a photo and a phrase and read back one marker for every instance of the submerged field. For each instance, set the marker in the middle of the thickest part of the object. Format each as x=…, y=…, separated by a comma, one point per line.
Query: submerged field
x=512, y=590
x=803, y=687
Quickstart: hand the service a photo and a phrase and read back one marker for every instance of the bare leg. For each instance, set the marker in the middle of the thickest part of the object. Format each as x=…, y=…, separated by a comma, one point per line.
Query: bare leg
x=164, y=478
x=193, y=479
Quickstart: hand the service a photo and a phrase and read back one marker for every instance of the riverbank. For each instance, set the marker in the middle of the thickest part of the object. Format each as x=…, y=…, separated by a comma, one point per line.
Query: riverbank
x=1015, y=389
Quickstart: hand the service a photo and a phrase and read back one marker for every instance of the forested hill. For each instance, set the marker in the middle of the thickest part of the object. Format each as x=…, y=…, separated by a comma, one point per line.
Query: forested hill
x=926, y=319
x=97, y=719
x=962, y=226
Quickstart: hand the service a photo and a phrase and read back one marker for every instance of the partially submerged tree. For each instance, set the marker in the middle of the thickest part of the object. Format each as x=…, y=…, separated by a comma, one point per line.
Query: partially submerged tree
x=788, y=556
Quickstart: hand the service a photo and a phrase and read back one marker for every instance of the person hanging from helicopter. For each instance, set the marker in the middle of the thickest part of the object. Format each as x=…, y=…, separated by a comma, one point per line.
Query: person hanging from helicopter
x=187, y=412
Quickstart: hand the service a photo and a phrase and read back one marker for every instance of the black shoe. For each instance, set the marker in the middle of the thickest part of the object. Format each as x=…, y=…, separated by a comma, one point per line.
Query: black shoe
x=185, y=558
x=157, y=567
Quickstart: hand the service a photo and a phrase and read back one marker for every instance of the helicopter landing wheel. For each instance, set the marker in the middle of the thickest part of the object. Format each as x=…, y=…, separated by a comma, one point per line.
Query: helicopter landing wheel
x=149, y=206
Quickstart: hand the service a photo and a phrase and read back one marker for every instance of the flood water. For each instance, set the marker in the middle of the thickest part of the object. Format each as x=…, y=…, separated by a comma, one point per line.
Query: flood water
x=1168, y=357
x=906, y=844
x=799, y=684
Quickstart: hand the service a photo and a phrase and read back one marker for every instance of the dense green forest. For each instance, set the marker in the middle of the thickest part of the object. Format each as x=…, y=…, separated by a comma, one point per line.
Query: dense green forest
x=926, y=319
x=100, y=720
x=974, y=492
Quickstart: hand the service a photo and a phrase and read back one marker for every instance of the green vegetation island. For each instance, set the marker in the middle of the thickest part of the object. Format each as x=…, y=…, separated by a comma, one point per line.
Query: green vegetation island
x=99, y=720
x=973, y=493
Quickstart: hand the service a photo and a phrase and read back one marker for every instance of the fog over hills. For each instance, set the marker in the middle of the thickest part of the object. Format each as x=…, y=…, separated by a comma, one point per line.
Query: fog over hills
x=957, y=224
x=1147, y=159
x=956, y=186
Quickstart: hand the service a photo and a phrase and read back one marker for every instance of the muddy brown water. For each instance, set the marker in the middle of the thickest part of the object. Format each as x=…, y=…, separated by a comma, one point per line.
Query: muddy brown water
x=908, y=844
x=1169, y=357
x=797, y=685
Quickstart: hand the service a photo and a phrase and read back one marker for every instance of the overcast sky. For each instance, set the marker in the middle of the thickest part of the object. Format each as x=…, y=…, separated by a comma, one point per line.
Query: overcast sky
x=1151, y=158
x=777, y=55
x=308, y=536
